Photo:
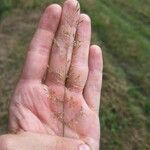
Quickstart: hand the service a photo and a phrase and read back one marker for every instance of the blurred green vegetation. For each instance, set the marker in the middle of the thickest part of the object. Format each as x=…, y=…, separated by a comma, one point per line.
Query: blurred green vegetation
x=122, y=29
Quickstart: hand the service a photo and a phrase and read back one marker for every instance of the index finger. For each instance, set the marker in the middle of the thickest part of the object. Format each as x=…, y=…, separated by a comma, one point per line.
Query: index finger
x=39, y=49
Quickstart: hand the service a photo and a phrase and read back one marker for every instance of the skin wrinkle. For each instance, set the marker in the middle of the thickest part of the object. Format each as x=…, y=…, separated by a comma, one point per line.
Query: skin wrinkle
x=49, y=129
x=25, y=94
x=17, y=128
x=79, y=22
x=20, y=115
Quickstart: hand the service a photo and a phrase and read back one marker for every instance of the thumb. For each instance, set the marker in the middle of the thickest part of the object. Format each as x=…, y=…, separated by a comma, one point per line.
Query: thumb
x=30, y=141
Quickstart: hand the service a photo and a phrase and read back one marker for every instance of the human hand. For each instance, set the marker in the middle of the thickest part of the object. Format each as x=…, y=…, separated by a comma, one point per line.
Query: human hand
x=58, y=93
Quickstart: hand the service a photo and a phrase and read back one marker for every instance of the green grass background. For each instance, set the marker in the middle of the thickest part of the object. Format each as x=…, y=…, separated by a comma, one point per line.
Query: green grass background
x=122, y=29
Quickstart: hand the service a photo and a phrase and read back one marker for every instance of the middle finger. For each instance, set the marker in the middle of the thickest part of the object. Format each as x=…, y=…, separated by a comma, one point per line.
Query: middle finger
x=61, y=54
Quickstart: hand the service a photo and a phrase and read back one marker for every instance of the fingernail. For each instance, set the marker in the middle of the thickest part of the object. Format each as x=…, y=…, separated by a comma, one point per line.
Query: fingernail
x=84, y=147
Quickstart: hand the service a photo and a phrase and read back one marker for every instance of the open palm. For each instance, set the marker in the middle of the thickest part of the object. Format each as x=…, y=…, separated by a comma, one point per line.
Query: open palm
x=59, y=89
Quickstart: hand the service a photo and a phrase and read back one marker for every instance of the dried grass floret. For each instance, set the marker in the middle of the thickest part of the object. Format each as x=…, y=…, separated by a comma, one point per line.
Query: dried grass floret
x=53, y=97
x=76, y=44
x=57, y=74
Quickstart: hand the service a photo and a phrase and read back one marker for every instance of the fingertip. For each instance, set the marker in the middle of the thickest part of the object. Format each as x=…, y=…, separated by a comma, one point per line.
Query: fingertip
x=95, y=60
x=84, y=28
x=72, y=4
x=96, y=49
x=50, y=18
x=55, y=8
x=85, y=18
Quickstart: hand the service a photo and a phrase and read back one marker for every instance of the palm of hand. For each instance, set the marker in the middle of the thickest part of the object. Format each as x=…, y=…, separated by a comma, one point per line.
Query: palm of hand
x=62, y=103
x=39, y=108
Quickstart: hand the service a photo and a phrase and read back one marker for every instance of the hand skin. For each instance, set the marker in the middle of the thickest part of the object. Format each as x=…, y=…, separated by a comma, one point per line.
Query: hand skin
x=34, y=141
x=56, y=102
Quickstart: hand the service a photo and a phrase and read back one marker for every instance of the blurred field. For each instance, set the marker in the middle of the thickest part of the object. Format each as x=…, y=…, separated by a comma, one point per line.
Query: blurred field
x=122, y=28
